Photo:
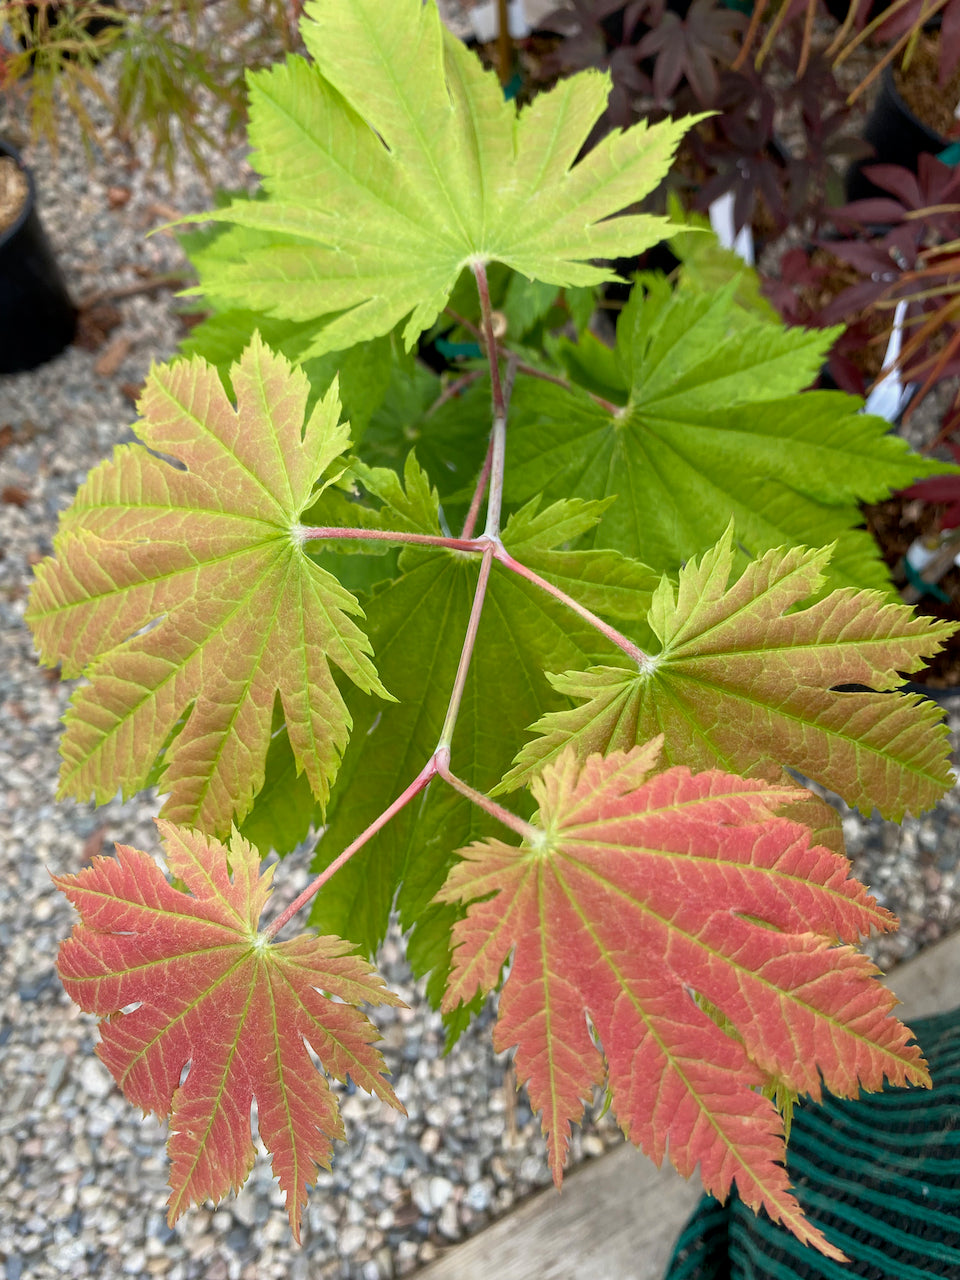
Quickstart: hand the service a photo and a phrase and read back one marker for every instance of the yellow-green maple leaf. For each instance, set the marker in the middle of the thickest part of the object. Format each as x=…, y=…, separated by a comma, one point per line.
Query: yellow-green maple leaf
x=393, y=162
x=746, y=681
x=185, y=592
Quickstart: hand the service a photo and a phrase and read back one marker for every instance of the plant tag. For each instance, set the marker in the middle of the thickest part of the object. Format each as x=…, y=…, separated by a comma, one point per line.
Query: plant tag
x=486, y=26
x=721, y=220
x=919, y=555
x=888, y=396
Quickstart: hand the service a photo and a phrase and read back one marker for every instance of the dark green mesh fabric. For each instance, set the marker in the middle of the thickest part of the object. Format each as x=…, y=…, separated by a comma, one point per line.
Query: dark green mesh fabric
x=880, y=1176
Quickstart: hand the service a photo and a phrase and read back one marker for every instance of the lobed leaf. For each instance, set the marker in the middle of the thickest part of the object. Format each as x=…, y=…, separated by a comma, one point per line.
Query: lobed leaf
x=182, y=590
x=746, y=682
x=393, y=162
x=675, y=938
x=217, y=996
x=603, y=580
x=424, y=613
x=711, y=428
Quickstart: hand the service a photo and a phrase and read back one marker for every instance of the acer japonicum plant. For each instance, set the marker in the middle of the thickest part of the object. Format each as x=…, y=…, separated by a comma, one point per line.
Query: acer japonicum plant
x=622, y=634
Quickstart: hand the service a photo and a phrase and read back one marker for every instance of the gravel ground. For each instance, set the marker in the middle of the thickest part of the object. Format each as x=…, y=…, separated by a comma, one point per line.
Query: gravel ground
x=82, y=1176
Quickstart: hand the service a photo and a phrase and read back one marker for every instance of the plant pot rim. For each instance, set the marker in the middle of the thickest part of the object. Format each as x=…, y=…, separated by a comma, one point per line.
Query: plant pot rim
x=7, y=149
x=936, y=139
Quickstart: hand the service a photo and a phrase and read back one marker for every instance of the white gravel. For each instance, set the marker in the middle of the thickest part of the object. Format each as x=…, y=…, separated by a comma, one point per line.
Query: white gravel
x=82, y=1176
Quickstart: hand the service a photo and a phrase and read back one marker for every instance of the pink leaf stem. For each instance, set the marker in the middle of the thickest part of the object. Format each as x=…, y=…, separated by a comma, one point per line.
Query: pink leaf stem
x=454, y=389
x=333, y=533
x=464, y=323
x=629, y=648
x=533, y=835
x=428, y=771
x=532, y=372
x=490, y=339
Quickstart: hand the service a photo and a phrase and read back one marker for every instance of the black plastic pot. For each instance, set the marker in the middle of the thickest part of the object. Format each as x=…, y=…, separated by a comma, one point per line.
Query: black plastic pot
x=897, y=137
x=37, y=318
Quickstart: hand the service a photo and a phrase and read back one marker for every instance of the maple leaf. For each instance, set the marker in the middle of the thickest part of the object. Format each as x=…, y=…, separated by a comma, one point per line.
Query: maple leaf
x=743, y=684
x=693, y=933
x=363, y=373
x=711, y=427
x=522, y=631
x=393, y=162
x=146, y=543
x=215, y=994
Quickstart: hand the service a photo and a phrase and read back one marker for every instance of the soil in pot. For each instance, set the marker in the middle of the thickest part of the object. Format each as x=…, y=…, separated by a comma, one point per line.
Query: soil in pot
x=895, y=525
x=919, y=86
x=911, y=114
x=14, y=191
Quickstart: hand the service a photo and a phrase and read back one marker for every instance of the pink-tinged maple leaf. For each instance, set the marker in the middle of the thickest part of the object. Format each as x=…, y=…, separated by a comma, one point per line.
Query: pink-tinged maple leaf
x=185, y=593
x=674, y=935
x=215, y=994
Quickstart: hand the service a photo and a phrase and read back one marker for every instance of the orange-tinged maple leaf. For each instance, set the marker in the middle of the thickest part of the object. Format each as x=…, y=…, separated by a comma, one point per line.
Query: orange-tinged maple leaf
x=748, y=682
x=215, y=994
x=186, y=592
x=703, y=941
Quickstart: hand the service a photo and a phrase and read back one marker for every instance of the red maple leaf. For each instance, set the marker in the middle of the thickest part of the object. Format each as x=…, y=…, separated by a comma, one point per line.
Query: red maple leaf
x=673, y=935
x=214, y=994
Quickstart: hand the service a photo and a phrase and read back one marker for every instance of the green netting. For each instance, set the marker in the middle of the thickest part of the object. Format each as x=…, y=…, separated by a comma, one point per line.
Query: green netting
x=880, y=1176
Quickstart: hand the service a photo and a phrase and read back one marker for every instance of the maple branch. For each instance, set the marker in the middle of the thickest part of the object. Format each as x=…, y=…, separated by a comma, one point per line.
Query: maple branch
x=428, y=771
x=616, y=637
x=466, y=653
x=498, y=436
x=439, y=760
x=471, y=521
x=533, y=372
x=455, y=388
x=533, y=835
x=490, y=338
x=334, y=533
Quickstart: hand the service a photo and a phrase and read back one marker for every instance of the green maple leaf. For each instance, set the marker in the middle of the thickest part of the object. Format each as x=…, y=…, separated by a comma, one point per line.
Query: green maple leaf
x=450, y=437
x=743, y=684
x=394, y=162
x=523, y=631
x=186, y=594
x=711, y=428
x=363, y=373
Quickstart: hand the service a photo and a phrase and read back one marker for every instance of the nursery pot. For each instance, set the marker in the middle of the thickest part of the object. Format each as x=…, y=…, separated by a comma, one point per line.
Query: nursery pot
x=897, y=137
x=37, y=318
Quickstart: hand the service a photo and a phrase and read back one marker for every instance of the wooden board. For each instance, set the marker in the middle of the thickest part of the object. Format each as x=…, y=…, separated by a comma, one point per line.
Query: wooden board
x=615, y=1219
